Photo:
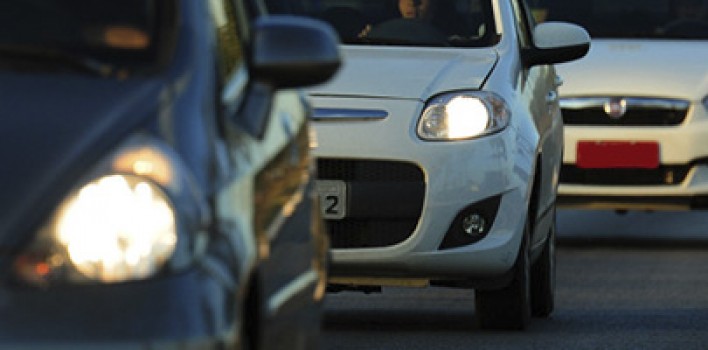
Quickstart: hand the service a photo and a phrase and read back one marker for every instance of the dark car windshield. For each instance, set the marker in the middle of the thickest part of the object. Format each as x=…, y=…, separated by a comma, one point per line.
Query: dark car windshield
x=668, y=19
x=85, y=34
x=432, y=23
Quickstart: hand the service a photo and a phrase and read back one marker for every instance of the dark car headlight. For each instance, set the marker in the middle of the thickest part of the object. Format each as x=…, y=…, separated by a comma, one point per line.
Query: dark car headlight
x=115, y=228
x=463, y=115
x=123, y=224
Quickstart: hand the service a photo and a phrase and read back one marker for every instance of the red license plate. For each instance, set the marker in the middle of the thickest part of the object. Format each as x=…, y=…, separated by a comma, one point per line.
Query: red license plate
x=617, y=154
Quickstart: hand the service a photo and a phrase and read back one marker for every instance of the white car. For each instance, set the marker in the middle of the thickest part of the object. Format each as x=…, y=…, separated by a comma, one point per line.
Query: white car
x=636, y=108
x=439, y=150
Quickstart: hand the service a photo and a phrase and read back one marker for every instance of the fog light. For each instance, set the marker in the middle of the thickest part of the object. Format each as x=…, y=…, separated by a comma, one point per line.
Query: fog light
x=474, y=224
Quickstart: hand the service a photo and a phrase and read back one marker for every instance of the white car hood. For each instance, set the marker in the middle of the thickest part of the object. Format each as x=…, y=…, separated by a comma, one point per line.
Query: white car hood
x=415, y=73
x=651, y=68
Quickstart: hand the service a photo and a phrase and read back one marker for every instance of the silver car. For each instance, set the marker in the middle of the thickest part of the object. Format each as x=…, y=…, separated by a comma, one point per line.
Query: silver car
x=439, y=144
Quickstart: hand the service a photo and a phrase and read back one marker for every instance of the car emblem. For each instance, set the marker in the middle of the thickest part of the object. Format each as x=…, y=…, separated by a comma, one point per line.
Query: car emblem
x=615, y=108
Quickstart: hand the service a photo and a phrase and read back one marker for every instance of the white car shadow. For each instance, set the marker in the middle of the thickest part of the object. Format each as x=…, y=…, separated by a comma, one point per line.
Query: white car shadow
x=686, y=226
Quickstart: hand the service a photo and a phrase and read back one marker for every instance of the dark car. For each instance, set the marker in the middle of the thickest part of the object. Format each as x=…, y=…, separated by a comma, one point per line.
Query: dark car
x=157, y=182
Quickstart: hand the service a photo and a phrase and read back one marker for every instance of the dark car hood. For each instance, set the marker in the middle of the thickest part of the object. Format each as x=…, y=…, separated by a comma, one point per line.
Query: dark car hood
x=53, y=128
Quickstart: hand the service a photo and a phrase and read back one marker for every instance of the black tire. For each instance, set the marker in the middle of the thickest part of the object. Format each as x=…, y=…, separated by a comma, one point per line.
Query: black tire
x=252, y=315
x=543, y=277
x=508, y=308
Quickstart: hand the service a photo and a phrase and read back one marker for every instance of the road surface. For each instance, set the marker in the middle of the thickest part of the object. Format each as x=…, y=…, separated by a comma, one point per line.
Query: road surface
x=638, y=281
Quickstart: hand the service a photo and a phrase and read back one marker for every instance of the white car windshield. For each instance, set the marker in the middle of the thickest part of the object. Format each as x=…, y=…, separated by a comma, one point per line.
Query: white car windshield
x=644, y=19
x=432, y=23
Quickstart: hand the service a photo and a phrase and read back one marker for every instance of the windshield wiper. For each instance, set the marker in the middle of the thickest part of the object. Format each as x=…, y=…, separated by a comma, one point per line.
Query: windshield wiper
x=85, y=64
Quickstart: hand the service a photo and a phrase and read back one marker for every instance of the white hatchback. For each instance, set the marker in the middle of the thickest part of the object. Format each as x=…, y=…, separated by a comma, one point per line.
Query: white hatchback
x=439, y=146
x=636, y=108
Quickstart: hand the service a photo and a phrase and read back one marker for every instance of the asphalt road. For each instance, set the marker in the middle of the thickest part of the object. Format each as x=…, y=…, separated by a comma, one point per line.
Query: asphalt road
x=638, y=281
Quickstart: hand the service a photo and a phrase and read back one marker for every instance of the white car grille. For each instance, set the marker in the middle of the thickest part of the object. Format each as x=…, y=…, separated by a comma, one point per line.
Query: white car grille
x=399, y=188
x=623, y=111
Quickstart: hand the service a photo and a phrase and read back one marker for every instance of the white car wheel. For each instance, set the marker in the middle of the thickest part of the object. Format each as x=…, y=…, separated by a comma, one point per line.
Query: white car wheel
x=543, y=277
x=508, y=308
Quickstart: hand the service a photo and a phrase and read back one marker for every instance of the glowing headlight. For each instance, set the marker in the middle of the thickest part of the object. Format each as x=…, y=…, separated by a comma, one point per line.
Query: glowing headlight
x=116, y=228
x=457, y=116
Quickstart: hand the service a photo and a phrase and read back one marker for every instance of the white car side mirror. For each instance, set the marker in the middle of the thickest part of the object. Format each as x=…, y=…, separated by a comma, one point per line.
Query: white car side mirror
x=550, y=35
x=557, y=42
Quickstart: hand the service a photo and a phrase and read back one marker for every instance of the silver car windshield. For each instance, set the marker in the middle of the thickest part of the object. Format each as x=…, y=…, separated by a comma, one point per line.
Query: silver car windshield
x=646, y=19
x=432, y=23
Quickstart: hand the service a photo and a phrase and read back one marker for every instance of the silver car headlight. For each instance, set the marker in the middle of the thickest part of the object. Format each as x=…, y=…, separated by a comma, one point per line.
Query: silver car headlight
x=463, y=115
x=123, y=224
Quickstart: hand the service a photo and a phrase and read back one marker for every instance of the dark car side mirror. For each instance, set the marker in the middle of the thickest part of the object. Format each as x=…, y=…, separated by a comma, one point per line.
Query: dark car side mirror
x=557, y=42
x=286, y=52
x=290, y=51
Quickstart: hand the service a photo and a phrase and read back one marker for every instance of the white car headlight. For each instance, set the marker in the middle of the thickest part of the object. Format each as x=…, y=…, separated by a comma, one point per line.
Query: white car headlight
x=463, y=115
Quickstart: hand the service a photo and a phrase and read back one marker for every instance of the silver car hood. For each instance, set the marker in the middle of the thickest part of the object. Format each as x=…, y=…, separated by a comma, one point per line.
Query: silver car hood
x=650, y=68
x=404, y=72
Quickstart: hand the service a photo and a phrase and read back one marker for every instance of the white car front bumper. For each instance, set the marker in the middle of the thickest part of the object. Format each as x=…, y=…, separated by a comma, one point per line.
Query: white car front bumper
x=679, y=183
x=455, y=175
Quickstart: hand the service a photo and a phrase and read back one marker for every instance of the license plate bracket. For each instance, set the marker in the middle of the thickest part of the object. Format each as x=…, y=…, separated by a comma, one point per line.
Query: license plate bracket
x=333, y=198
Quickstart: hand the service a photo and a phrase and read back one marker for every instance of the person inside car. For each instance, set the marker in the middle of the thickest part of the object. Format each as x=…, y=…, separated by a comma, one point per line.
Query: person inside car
x=441, y=16
x=414, y=8
x=407, y=9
